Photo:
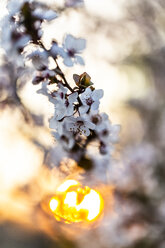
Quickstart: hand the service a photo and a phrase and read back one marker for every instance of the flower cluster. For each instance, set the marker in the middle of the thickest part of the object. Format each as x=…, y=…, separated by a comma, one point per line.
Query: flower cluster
x=77, y=121
x=24, y=25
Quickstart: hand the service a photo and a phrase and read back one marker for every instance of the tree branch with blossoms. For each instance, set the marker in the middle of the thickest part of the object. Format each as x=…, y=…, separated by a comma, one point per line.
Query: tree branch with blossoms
x=77, y=123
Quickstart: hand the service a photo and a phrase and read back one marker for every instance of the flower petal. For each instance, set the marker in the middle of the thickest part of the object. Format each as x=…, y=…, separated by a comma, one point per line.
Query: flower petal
x=79, y=60
x=56, y=50
x=115, y=129
x=95, y=105
x=86, y=94
x=69, y=42
x=80, y=44
x=70, y=127
x=59, y=112
x=68, y=61
x=73, y=97
x=90, y=125
x=52, y=123
x=83, y=109
x=85, y=131
x=97, y=94
x=69, y=110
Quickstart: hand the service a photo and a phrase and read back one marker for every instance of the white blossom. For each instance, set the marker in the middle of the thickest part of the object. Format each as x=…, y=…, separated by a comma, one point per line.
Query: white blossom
x=72, y=47
x=42, y=76
x=90, y=99
x=11, y=41
x=107, y=132
x=39, y=59
x=70, y=51
x=61, y=134
x=66, y=139
x=65, y=107
x=79, y=125
x=60, y=94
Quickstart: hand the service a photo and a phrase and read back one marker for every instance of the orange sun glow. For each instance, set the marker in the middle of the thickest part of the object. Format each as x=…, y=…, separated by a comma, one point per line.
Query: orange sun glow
x=76, y=203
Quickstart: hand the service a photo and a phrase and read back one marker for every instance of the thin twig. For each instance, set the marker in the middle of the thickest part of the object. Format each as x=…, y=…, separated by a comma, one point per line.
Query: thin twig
x=58, y=67
x=60, y=71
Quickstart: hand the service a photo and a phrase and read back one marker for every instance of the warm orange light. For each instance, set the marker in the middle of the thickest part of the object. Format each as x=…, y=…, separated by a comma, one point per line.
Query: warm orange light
x=75, y=203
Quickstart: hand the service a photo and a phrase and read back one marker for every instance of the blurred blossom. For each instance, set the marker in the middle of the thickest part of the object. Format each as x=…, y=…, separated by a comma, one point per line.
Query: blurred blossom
x=14, y=6
x=39, y=59
x=74, y=3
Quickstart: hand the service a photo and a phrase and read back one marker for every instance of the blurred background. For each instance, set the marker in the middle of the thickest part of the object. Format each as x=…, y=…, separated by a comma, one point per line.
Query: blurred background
x=125, y=56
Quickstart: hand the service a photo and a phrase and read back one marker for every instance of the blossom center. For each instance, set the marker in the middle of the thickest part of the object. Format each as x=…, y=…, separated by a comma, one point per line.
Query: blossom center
x=71, y=52
x=62, y=95
x=89, y=101
x=66, y=103
x=65, y=139
x=80, y=123
x=105, y=132
x=96, y=119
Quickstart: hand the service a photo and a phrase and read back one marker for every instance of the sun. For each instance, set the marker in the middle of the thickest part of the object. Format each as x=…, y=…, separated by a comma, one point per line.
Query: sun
x=75, y=203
